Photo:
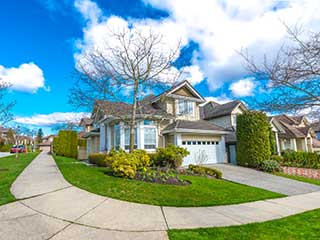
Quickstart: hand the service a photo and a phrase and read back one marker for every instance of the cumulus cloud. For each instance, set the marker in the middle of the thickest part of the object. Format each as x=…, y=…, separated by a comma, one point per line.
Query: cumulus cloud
x=220, y=28
x=28, y=77
x=220, y=99
x=243, y=87
x=52, y=119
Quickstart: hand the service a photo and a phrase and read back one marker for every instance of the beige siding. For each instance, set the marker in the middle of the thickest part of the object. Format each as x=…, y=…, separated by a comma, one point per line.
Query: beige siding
x=224, y=121
x=169, y=139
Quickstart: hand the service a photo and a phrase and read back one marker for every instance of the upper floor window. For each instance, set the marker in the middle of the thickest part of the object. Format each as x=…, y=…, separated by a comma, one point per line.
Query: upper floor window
x=148, y=122
x=185, y=107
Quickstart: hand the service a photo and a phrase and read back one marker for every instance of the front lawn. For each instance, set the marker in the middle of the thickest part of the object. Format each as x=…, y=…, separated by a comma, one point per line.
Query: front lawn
x=299, y=178
x=301, y=226
x=202, y=192
x=10, y=168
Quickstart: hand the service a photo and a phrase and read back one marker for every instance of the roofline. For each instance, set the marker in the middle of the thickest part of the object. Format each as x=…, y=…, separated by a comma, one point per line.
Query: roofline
x=222, y=115
x=180, y=85
x=187, y=130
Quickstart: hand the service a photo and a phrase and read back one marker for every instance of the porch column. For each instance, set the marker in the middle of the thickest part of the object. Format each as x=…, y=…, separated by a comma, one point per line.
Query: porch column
x=177, y=139
x=294, y=144
x=102, y=137
x=311, y=147
x=277, y=143
x=122, y=135
x=140, y=133
x=306, y=145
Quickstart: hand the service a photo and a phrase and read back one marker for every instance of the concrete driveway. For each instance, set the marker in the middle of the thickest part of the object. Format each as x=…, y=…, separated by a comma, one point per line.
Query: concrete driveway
x=263, y=180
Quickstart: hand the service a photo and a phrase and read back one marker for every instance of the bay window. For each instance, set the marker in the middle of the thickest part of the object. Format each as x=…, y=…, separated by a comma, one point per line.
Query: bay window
x=127, y=138
x=150, y=135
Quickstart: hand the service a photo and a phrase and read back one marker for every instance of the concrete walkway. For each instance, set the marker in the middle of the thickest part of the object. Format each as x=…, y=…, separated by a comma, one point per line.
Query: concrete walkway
x=267, y=181
x=4, y=154
x=63, y=212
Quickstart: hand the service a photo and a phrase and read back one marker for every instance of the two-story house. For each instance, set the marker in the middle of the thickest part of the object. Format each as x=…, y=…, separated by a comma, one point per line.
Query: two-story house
x=92, y=134
x=225, y=115
x=294, y=133
x=172, y=117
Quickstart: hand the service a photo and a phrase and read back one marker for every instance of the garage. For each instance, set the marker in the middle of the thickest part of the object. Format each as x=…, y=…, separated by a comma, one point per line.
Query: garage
x=201, y=151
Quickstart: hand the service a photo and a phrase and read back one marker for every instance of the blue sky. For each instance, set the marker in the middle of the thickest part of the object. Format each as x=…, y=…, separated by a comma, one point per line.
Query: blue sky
x=41, y=40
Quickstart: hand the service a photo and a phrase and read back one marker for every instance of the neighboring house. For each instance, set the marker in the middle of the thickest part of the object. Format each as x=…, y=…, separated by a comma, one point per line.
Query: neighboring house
x=172, y=117
x=293, y=133
x=4, y=134
x=316, y=127
x=92, y=135
x=225, y=115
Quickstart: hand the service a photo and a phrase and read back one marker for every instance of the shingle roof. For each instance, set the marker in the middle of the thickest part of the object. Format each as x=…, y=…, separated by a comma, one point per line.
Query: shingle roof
x=196, y=125
x=316, y=126
x=86, y=121
x=144, y=107
x=218, y=110
x=290, y=126
x=315, y=143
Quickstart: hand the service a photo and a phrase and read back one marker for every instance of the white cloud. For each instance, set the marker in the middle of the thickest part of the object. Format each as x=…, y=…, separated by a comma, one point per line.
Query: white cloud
x=28, y=77
x=243, y=87
x=221, y=28
x=52, y=119
x=220, y=99
x=193, y=74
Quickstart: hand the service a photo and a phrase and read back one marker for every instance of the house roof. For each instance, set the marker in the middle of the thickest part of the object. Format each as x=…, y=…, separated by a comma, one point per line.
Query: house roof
x=290, y=126
x=177, y=86
x=316, y=126
x=212, y=109
x=315, y=143
x=86, y=121
x=192, y=125
x=144, y=107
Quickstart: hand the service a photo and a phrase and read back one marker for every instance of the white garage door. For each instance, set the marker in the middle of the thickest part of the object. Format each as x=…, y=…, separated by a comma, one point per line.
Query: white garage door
x=204, y=151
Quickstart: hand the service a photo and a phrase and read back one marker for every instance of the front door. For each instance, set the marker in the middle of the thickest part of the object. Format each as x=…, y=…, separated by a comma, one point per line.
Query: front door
x=232, y=154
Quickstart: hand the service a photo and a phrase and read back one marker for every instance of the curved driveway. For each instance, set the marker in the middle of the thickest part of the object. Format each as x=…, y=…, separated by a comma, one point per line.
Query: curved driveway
x=50, y=208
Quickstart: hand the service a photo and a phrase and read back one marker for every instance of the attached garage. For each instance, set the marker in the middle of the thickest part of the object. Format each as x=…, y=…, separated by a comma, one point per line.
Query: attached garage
x=205, y=141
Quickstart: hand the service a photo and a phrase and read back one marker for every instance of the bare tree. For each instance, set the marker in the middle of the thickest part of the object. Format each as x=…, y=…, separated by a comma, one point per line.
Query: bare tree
x=68, y=125
x=130, y=64
x=5, y=108
x=292, y=77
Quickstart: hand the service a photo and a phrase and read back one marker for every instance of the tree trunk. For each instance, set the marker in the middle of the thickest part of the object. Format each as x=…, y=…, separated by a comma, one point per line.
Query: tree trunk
x=133, y=116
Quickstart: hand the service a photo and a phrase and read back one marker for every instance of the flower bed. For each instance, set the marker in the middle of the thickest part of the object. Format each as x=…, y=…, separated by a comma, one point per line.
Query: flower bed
x=304, y=172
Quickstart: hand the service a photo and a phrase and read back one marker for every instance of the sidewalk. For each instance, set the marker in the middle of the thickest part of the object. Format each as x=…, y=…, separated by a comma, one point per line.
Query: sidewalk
x=53, y=209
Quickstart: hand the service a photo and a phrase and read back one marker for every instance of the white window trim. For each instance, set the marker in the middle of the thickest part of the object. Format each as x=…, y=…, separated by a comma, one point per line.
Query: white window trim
x=185, y=114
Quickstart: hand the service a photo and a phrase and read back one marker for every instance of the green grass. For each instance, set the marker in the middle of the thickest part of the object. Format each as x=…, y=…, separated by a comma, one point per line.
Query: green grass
x=202, y=192
x=301, y=226
x=299, y=178
x=10, y=168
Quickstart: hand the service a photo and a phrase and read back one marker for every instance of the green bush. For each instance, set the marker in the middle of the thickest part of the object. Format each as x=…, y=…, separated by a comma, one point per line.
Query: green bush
x=171, y=156
x=253, y=139
x=126, y=164
x=270, y=166
x=5, y=147
x=98, y=159
x=205, y=171
x=66, y=144
x=301, y=159
x=82, y=142
x=277, y=158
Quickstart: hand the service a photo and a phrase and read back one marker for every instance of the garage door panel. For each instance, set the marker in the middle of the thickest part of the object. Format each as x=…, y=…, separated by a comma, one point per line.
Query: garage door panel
x=205, y=151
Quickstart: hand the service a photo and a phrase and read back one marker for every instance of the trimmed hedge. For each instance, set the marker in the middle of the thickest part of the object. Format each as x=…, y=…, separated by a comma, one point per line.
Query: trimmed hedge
x=66, y=144
x=82, y=142
x=5, y=147
x=253, y=139
x=98, y=158
x=301, y=159
x=205, y=171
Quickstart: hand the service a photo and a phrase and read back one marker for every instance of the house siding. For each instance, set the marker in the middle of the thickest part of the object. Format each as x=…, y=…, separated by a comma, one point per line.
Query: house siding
x=224, y=121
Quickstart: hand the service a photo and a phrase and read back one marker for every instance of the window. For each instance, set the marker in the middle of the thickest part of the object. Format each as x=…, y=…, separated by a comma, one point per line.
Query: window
x=117, y=136
x=185, y=107
x=127, y=138
x=148, y=122
x=150, y=136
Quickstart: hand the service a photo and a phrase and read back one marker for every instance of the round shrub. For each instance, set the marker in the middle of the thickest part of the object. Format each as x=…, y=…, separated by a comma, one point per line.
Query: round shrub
x=171, y=156
x=253, y=139
x=270, y=166
x=141, y=158
x=98, y=159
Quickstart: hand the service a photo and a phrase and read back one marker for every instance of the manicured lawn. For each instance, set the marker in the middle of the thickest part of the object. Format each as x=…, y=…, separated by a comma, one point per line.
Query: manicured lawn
x=299, y=178
x=302, y=226
x=10, y=168
x=202, y=191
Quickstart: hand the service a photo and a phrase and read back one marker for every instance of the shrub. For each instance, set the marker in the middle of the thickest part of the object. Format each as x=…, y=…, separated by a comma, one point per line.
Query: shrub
x=124, y=165
x=253, y=139
x=5, y=147
x=171, y=156
x=66, y=144
x=270, y=166
x=205, y=171
x=141, y=158
x=277, y=158
x=98, y=159
x=82, y=142
x=301, y=159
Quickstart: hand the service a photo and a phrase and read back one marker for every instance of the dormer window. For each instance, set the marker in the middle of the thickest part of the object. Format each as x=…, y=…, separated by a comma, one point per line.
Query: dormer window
x=185, y=107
